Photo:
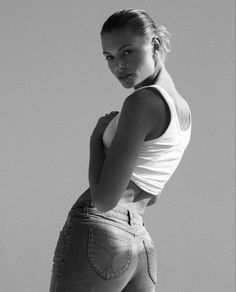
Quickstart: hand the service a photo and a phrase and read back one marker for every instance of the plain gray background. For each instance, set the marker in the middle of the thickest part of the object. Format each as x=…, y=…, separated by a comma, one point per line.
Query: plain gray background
x=55, y=84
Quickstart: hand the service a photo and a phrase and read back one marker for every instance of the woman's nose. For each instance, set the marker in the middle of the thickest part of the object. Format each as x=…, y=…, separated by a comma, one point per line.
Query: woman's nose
x=120, y=64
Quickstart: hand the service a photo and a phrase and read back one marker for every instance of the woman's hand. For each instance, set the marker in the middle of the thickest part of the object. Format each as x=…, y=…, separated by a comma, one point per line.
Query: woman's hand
x=101, y=125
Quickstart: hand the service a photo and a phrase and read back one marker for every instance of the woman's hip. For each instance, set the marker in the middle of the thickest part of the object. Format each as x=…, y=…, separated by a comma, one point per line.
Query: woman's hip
x=96, y=246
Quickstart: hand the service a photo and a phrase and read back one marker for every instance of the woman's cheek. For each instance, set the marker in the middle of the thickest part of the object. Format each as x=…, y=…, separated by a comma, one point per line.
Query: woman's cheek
x=135, y=62
x=111, y=67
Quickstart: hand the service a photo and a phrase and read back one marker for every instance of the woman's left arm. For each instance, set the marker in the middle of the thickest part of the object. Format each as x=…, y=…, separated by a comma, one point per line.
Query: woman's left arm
x=97, y=153
x=96, y=161
x=110, y=173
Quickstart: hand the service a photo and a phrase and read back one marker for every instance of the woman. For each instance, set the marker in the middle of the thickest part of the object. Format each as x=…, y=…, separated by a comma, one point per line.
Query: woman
x=104, y=245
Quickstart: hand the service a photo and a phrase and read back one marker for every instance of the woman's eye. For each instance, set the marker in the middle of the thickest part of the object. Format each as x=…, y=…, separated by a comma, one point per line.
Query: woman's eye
x=127, y=52
x=108, y=58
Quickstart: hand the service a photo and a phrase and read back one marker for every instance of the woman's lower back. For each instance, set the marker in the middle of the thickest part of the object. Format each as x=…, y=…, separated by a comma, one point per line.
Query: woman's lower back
x=133, y=198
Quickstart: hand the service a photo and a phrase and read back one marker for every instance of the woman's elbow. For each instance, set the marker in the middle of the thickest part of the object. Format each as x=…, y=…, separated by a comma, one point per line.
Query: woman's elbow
x=101, y=206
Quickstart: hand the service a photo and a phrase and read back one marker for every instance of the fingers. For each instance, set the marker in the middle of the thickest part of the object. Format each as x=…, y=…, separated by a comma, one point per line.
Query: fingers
x=113, y=113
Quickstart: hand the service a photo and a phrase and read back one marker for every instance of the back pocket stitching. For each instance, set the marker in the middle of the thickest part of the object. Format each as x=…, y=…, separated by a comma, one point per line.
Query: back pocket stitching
x=105, y=275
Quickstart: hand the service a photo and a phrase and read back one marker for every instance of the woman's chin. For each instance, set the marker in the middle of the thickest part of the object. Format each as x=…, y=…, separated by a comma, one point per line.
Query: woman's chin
x=127, y=86
x=127, y=82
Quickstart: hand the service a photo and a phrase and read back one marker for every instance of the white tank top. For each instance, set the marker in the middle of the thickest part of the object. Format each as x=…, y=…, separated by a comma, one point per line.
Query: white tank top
x=158, y=158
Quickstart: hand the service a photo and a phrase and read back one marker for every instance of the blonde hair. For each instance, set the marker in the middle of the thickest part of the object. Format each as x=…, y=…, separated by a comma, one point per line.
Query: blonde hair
x=142, y=24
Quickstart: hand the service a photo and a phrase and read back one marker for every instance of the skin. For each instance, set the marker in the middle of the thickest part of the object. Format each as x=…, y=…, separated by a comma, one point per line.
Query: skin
x=144, y=116
x=127, y=53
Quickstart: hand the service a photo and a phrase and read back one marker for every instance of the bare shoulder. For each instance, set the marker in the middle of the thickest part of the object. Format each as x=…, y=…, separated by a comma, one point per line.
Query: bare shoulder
x=150, y=108
x=148, y=99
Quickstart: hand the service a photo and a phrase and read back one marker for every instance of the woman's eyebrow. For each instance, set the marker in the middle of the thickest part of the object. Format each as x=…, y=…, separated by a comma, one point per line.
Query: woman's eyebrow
x=126, y=45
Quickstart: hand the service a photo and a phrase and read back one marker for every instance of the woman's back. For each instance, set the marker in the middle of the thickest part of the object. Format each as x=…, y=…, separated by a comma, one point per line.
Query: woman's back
x=136, y=198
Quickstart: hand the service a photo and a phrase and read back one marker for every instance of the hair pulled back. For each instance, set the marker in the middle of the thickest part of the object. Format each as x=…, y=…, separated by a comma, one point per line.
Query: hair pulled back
x=140, y=23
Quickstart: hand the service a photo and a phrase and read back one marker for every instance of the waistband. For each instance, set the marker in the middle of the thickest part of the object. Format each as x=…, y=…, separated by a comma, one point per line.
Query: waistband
x=119, y=212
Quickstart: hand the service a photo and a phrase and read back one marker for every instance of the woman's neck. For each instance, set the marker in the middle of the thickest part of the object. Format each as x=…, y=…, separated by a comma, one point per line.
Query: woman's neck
x=160, y=77
x=152, y=79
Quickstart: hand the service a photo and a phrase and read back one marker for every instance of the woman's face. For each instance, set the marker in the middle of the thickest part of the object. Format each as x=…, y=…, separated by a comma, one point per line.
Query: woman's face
x=129, y=56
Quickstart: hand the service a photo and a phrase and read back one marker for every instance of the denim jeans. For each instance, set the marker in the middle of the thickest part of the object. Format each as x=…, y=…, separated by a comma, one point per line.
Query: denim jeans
x=103, y=252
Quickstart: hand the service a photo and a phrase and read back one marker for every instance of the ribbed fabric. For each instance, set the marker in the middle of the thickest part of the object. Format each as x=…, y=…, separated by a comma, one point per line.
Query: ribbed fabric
x=158, y=158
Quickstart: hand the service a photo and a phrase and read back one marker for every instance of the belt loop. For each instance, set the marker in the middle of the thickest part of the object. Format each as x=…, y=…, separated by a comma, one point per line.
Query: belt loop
x=85, y=210
x=129, y=218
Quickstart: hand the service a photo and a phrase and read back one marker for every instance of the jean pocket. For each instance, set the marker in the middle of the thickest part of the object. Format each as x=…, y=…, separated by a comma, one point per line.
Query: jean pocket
x=151, y=259
x=109, y=253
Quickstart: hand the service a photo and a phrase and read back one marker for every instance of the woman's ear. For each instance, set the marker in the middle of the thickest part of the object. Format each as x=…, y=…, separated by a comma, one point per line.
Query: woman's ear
x=155, y=44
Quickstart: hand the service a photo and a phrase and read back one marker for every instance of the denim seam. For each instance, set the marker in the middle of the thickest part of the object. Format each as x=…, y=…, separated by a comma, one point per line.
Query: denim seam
x=150, y=267
x=59, y=260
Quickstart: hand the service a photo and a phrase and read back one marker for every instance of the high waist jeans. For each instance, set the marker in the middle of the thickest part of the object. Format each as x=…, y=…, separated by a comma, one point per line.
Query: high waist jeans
x=103, y=252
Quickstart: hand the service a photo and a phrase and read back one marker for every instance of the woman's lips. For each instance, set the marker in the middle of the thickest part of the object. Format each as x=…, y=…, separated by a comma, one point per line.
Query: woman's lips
x=123, y=77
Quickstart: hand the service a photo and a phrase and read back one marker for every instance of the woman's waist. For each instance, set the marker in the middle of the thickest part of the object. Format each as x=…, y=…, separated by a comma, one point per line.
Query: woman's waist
x=119, y=215
x=133, y=199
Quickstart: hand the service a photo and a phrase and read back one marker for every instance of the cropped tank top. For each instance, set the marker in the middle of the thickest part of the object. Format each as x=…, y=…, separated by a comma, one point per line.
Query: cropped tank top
x=158, y=158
